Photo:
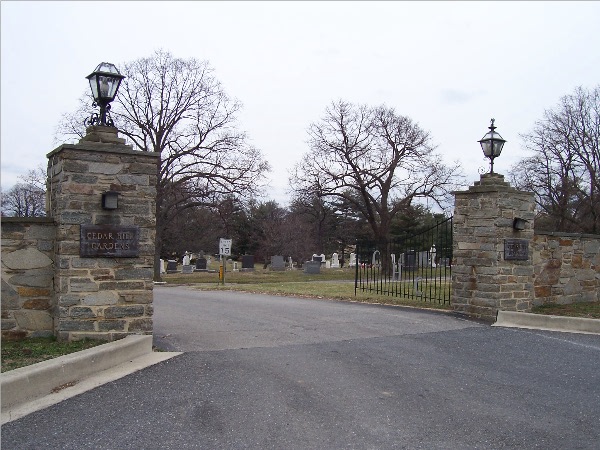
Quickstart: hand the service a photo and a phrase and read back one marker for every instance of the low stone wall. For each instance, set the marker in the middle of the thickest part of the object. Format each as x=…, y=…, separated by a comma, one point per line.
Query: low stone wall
x=566, y=268
x=27, y=277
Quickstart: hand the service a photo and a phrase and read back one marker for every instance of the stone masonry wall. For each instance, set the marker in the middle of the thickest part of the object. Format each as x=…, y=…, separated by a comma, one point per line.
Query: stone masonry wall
x=102, y=297
x=483, y=280
x=27, y=277
x=566, y=267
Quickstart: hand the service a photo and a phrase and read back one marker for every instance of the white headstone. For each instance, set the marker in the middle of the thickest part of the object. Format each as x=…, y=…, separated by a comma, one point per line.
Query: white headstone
x=352, y=260
x=163, y=266
x=432, y=255
x=186, y=259
x=335, y=262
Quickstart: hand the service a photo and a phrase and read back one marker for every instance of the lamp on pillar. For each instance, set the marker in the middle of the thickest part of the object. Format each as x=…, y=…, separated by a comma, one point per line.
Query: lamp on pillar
x=492, y=144
x=104, y=82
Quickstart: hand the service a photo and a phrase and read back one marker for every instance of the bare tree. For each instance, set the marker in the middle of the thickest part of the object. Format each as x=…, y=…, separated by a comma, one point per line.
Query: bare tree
x=564, y=169
x=375, y=160
x=177, y=108
x=28, y=197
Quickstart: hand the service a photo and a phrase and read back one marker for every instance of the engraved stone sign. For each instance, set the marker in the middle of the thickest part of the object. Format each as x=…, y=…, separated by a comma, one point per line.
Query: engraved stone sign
x=109, y=241
x=516, y=249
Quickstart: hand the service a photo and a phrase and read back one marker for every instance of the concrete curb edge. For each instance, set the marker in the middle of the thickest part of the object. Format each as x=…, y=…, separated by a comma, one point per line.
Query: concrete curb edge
x=29, y=385
x=514, y=319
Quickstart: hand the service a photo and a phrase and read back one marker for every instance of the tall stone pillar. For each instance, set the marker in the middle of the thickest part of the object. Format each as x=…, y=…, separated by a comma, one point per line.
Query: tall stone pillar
x=103, y=257
x=492, y=260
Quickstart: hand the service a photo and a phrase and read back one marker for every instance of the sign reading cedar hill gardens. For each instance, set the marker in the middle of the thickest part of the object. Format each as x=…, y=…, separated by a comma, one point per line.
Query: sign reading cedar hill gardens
x=109, y=241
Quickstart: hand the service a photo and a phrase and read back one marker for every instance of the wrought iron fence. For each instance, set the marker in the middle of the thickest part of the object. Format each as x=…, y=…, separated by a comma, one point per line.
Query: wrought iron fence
x=417, y=267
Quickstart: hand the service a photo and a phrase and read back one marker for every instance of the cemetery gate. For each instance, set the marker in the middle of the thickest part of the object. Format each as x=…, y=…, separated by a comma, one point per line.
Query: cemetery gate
x=416, y=267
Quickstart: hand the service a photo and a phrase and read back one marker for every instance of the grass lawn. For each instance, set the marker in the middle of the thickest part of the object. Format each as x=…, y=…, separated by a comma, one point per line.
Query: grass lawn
x=23, y=353
x=589, y=310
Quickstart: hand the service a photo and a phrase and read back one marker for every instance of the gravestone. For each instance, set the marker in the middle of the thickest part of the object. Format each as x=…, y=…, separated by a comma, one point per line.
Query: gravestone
x=186, y=259
x=171, y=266
x=376, y=260
x=410, y=260
x=277, y=263
x=290, y=263
x=423, y=259
x=187, y=268
x=335, y=261
x=352, y=260
x=432, y=255
x=312, y=267
x=201, y=265
x=317, y=258
x=247, y=263
x=163, y=266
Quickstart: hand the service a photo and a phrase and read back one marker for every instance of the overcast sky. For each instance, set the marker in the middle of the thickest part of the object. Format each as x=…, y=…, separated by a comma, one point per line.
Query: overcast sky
x=450, y=66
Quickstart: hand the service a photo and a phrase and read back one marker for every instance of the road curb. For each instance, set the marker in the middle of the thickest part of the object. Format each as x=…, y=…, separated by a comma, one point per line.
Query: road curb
x=514, y=319
x=40, y=385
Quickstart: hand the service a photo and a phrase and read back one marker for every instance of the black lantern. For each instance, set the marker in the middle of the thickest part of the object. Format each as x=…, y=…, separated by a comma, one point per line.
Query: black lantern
x=110, y=200
x=492, y=144
x=104, y=82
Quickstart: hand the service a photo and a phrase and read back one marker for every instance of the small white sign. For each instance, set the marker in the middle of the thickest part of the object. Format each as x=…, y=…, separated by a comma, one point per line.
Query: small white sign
x=225, y=247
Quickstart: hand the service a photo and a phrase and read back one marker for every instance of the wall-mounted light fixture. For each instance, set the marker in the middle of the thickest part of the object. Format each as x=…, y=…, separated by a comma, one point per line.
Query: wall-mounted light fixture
x=519, y=224
x=110, y=200
x=492, y=144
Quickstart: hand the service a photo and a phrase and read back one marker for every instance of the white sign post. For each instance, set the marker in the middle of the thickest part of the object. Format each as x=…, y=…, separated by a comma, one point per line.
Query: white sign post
x=224, y=251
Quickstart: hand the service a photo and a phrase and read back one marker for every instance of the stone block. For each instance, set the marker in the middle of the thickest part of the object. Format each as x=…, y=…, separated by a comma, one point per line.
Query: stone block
x=84, y=263
x=33, y=320
x=41, y=304
x=140, y=325
x=100, y=298
x=84, y=178
x=105, y=168
x=117, y=312
x=70, y=165
x=75, y=325
x=8, y=324
x=134, y=273
x=46, y=232
x=142, y=168
x=543, y=291
x=27, y=258
x=130, y=285
x=140, y=297
x=82, y=285
x=25, y=291
x=75, y=217
x=67, y=300
x=81, y=313
x=135, y=180
x=111, y=325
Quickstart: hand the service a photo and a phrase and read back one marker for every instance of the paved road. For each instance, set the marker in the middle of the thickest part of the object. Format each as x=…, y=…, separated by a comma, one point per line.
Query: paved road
x=265, y=372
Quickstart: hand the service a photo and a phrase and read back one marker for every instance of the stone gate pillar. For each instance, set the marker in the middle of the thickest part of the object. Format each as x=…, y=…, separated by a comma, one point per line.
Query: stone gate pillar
x=104, y=255
x=492, y=259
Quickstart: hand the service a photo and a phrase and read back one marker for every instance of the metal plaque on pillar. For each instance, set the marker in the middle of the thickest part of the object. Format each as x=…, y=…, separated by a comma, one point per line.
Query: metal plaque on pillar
x=516, y=249
x=109, y=241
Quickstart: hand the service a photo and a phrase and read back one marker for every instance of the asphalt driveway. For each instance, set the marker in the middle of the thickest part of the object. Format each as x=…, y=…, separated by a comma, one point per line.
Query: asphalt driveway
x=285, y=373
